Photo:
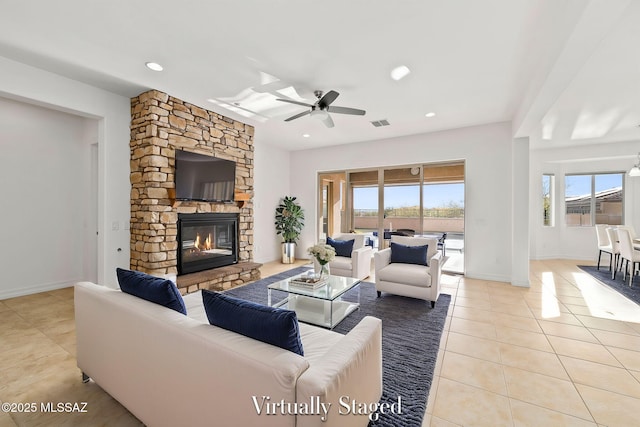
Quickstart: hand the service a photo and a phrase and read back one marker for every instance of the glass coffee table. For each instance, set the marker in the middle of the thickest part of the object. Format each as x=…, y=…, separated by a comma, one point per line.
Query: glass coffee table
x=323, y=306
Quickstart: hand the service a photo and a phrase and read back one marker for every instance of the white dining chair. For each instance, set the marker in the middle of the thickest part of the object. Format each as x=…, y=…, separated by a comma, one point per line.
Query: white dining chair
x=628, y=254
x=615, y=249
x=604, y=244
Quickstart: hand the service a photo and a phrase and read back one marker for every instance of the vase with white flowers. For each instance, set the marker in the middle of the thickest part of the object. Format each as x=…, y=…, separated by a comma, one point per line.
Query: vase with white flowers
x=323, y=254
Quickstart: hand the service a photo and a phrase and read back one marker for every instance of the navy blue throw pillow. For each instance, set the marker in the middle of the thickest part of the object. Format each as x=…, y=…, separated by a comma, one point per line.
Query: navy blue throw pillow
x=409, y=254
x=342, y=247
x=154, y=289
x=275, y=326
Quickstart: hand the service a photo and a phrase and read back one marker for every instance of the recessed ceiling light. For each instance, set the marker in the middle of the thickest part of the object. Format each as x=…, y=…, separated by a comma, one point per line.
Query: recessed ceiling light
x=305, y=135
x=154, y=66
x=400, y=72
x=430, y=114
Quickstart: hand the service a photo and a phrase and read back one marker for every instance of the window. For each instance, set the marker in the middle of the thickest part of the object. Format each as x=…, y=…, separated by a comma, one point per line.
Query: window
x=548, y=181
x=594, y=199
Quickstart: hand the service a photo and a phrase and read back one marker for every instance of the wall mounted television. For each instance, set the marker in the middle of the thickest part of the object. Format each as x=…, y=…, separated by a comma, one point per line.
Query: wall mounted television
x=204, y=178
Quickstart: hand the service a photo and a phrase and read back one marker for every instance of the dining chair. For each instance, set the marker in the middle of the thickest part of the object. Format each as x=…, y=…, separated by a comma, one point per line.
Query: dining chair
x=615, y=250
x=604, y=244
x=627, y=254
x=634, y=236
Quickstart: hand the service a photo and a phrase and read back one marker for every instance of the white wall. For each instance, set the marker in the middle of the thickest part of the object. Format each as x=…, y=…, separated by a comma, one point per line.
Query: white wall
x=577, y=243
x=271, y=183
x=45, y=174
x=487, y=151
x=32, y=85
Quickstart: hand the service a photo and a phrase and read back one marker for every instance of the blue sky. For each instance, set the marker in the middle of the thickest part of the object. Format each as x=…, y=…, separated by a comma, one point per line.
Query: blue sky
x=435, y=195
x=580, y=185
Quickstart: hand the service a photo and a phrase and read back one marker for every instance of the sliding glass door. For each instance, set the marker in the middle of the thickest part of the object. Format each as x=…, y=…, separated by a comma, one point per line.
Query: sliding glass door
x=412, y=200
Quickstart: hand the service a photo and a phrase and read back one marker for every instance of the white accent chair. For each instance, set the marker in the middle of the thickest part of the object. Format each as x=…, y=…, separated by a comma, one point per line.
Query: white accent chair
x=358, y=265
x=410, y=280
x=604, y=244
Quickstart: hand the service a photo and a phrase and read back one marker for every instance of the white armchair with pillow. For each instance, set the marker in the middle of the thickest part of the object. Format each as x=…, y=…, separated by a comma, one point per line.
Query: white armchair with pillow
x=352, y=259
x=410, y=269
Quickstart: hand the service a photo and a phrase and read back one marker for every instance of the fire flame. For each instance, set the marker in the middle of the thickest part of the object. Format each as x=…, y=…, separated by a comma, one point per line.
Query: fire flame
x=207, y=243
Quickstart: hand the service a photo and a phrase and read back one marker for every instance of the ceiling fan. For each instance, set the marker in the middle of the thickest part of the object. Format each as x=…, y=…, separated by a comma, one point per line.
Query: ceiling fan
x=322, y=108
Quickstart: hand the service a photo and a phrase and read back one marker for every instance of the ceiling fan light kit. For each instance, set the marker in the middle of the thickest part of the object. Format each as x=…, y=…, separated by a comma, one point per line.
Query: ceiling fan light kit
x=321, y=109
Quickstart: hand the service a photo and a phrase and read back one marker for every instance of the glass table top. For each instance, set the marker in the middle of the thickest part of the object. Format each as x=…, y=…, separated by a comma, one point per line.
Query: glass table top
x=334, y=288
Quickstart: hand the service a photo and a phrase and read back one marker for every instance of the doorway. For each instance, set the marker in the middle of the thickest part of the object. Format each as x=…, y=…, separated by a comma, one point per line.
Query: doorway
x=414, y=200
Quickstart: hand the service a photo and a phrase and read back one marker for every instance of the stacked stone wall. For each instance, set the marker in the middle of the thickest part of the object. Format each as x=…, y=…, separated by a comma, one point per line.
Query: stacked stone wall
x=160, y=125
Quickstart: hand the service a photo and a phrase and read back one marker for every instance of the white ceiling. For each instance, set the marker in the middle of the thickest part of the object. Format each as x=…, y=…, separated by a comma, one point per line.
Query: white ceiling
x=563, y=71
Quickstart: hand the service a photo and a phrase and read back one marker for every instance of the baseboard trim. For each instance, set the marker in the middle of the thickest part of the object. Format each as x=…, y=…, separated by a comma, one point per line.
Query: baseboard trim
x=34, y=289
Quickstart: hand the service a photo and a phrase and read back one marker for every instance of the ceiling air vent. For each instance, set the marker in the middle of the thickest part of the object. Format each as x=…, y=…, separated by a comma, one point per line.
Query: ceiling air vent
x=378, y=123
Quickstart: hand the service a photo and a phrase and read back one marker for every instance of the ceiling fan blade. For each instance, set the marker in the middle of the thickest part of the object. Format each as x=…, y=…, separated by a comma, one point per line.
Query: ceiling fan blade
x=327, y=99
x=346, y=110
x=297, y=116
x=291, y=101
x=328, y=122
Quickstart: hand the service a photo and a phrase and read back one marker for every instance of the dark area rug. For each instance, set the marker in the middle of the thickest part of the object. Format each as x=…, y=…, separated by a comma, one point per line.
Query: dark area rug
x=604, y=275
x=411, y=332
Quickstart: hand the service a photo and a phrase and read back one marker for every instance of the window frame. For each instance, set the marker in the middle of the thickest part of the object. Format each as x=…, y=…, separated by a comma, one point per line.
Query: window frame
x=592, y=203
x=551, y=196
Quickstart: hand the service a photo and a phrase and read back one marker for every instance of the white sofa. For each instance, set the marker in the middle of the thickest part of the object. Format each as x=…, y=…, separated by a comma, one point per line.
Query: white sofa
x=410, y=280
x=169, y=369
x=359, y=264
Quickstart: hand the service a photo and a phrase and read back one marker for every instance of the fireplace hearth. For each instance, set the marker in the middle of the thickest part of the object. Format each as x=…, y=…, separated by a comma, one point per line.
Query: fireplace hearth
x=206, y=241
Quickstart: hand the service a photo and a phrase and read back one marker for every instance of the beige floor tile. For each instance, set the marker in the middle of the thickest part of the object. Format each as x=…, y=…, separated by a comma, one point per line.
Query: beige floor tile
x=479, y=348
x=548, y=392
x=606, y=325
x=520, y=309
x=475, y=372
x=560, y=317
x=633, y=325
x=611, y=409
x=476, y=314
x=439, y=422
x=615, y=339
x=472, y=303
x=628, y=358
x=528, y=359
x=526, y=415
x=579, y=309
x=30, y=301
x=6, y=421
x=583, y=350
x=606, y=377
x=523, y=338
x=433, y=392
x=567, y=331
x=3, y=307
x=481, y=407
x=473, y=294
x=572, y=300
x=516, y=322
x=471, y=327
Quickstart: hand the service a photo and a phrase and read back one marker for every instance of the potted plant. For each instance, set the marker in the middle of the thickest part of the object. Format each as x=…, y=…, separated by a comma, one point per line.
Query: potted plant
x=289, y=223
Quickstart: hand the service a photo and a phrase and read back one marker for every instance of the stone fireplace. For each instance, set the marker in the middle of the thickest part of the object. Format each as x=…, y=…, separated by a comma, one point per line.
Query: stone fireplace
x=161, y=124
x=206, y=241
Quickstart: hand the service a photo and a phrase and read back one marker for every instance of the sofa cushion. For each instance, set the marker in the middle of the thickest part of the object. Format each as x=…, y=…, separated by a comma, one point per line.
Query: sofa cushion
x=275, y=326
x=342, y=263
x=409, y=254
x=342, y=247
x=151, y=288
x=407, y=274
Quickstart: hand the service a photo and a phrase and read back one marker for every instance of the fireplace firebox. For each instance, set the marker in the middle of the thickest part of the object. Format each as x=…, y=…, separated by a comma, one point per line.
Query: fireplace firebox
x=206, y=241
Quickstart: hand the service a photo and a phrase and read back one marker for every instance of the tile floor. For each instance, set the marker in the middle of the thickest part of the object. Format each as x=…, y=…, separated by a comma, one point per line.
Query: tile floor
x=565, y=351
